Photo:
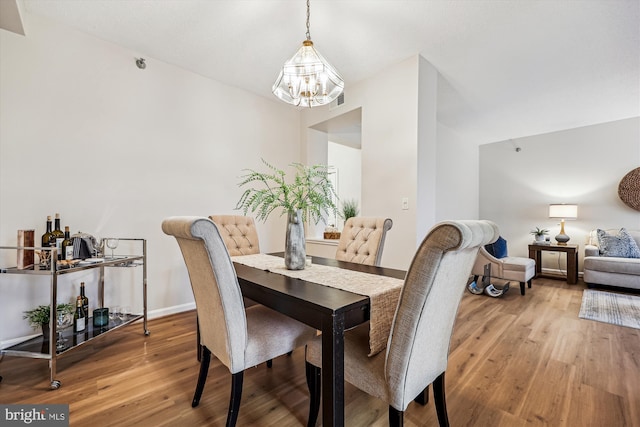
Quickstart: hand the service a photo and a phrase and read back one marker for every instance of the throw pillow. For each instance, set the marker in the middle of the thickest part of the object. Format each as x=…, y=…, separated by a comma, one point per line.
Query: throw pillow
x=498, y=248
x=620, y=245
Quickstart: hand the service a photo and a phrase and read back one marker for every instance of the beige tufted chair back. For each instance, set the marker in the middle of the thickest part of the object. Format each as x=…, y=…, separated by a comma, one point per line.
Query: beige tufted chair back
x=238, y=233
x=362, y=240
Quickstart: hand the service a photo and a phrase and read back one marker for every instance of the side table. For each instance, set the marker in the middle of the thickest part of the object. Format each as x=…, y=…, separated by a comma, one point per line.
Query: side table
x=535, y=252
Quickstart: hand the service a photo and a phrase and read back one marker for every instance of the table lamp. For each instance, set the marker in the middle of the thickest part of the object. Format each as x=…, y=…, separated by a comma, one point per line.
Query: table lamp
x=563, y=212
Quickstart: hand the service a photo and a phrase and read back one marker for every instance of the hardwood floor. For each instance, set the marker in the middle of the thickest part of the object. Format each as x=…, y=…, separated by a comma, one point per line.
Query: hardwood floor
x=514, y=361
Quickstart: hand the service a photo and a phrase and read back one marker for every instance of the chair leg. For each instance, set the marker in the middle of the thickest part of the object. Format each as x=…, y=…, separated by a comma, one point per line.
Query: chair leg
x=198, y=345
x=314, y=383
x=529, y=283
x=202, y=377
x=236, y=395
x=395, y=417
x=440, y=401
x=521, y=288
x=270, y=361
x=423, y=397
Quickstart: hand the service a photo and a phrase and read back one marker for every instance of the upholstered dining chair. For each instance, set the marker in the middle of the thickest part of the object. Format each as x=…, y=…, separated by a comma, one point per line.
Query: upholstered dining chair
x=239, y=234
x=240, y=338
x=418, y=344
x=503, y=266
x=362, y=240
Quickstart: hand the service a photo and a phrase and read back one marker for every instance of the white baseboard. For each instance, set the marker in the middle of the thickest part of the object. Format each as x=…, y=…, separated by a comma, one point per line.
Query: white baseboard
x=153, y=314
x=161, y=312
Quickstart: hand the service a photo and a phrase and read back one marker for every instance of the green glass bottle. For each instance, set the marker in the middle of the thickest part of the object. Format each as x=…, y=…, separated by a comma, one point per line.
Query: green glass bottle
x=85, y=304
x=79, y=324
x=67, y=245
x=57, y=236
x=46, y=237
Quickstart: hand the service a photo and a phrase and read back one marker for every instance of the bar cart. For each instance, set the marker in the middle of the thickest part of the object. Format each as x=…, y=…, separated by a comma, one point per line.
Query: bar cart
x=38, y=348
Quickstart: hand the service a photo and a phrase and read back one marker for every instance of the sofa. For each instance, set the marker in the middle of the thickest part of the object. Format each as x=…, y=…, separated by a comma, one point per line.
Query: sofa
x=606, y=264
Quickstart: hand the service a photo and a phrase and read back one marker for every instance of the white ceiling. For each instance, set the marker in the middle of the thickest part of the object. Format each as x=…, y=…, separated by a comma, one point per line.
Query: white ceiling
x=512, y=68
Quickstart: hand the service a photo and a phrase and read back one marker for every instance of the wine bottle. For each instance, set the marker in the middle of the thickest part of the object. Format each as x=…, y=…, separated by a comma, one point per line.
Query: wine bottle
x=79, y=316
x=57, y=236
x=85, y=304
x=46, y=237
x=67, y=245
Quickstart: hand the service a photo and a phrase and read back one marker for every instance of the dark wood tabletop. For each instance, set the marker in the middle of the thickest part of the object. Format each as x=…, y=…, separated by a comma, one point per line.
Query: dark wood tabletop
x=325, y=308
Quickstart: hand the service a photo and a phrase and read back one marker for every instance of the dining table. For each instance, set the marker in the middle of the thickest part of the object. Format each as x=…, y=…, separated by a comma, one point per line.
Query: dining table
x=329, y=309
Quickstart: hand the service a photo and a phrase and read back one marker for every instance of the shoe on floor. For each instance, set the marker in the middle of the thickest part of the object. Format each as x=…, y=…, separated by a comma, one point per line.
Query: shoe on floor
x=474, y=289
x=494, y=292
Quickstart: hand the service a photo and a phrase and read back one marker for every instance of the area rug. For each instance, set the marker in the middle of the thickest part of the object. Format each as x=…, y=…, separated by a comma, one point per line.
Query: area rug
x=607, y=307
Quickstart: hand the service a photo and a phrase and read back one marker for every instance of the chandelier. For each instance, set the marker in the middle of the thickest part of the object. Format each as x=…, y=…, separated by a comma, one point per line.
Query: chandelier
x=307, y=79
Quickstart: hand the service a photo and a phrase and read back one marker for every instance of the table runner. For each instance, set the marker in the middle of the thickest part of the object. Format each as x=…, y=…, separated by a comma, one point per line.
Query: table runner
x=382, y=291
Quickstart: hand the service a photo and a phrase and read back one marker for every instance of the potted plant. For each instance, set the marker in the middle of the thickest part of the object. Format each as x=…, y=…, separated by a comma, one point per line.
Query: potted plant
x=39, y=316
x=539, y=234
x=349, y=209
x=309, y=196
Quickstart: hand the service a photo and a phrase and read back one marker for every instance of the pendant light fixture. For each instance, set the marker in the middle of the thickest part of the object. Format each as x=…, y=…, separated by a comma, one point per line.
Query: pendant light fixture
x=307, y=79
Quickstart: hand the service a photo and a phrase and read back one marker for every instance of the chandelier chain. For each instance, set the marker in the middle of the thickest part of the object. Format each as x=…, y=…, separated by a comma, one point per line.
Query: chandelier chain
x=308, y=14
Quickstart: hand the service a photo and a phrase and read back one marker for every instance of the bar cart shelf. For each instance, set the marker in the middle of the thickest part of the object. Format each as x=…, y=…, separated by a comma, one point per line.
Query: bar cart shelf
x=38, y=347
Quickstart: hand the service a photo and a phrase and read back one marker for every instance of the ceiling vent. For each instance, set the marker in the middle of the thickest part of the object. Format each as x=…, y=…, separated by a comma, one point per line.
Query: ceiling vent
x=337, y=102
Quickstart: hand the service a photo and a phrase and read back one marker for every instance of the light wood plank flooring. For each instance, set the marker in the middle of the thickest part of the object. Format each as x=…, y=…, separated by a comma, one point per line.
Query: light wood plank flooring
x=515, y=361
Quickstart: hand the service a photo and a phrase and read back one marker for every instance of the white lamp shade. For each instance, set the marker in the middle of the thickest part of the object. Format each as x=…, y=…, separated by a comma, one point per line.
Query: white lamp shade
x=563, y=211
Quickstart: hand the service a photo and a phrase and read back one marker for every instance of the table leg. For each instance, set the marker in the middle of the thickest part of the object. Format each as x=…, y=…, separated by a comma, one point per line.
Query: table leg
x=333, y=371
x=572, y=267
x=536, y=255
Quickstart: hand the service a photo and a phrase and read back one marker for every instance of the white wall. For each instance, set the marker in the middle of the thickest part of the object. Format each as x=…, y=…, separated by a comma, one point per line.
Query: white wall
x=425, y=198
x=404, y=155
x=116, y=149
x=348, y=161
x=457, y=177
x=580, y=166
x=389, y=147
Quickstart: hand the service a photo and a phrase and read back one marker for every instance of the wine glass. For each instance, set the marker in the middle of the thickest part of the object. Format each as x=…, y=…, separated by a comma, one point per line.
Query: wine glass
x=112, y=244
x=122, y=315
x=64, y=320
x=114, y=313
x=98, y=245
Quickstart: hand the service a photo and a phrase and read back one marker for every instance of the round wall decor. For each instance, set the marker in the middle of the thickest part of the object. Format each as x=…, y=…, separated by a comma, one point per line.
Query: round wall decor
x=629, y=189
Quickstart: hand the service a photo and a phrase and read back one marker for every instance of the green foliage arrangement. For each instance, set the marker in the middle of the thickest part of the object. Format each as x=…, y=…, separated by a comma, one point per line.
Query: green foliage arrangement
x=40, y=315
x=539, y=231
x=311, y=191
x=349, y=209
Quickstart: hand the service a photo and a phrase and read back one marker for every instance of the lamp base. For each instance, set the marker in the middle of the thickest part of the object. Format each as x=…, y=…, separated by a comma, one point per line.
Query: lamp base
x=562, y=239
